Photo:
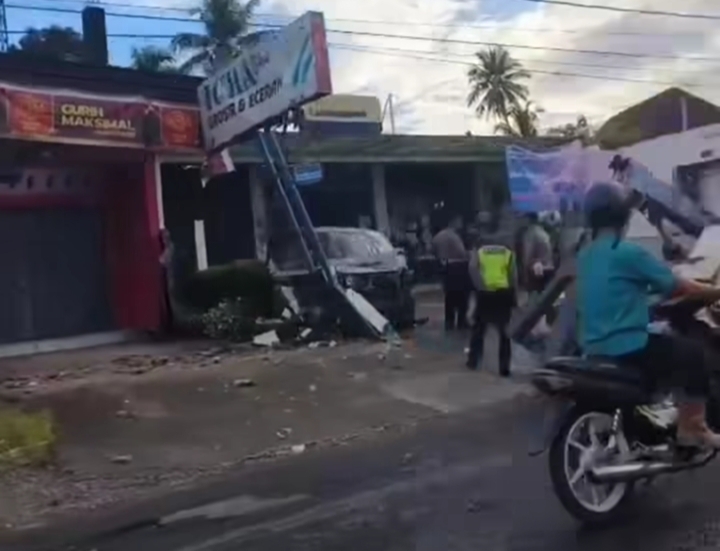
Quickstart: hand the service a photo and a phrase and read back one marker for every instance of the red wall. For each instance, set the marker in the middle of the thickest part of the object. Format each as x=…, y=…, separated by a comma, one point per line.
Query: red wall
x=133, y=246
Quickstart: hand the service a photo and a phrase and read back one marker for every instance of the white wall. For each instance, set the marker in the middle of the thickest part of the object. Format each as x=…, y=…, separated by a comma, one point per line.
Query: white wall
x=664, y=154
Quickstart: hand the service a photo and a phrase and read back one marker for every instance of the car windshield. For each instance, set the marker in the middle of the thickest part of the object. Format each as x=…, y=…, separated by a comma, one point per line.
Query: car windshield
x=354, y=244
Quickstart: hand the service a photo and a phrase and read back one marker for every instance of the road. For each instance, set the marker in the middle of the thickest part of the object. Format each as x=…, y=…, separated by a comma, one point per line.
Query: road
x=459, y=482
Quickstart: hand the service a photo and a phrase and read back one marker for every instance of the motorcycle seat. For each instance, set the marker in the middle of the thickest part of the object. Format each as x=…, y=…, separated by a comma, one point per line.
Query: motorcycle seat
x=597, y=366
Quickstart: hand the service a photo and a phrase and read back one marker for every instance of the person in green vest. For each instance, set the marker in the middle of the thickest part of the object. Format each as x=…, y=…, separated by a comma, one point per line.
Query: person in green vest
x=493, y=273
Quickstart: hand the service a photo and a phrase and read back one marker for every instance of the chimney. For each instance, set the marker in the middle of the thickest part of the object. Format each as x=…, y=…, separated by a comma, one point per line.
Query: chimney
x=95, y=35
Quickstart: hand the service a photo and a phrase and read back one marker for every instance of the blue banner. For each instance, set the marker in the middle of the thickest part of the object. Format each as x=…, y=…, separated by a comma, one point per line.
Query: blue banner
x=548, y=180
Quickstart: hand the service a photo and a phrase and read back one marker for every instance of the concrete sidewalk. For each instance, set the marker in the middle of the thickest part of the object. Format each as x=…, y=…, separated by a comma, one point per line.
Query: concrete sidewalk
x=136, y=420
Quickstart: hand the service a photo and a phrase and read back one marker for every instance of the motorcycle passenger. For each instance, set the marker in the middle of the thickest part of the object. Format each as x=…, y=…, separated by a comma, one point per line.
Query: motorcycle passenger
x=614, y=281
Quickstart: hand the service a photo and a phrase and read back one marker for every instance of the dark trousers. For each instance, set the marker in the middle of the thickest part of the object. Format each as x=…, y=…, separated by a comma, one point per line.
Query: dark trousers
x=456, y=287
x=676, y=362
x=492, y=308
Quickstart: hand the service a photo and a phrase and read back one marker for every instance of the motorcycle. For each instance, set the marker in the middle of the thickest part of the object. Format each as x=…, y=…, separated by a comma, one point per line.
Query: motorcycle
x=607, y=427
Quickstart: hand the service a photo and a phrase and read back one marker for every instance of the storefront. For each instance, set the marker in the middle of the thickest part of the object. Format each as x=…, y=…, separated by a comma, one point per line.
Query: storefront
x=79, y=205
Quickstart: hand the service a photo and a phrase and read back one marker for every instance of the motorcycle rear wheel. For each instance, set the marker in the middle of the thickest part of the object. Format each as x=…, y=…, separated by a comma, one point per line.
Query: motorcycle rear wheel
x=589, y=503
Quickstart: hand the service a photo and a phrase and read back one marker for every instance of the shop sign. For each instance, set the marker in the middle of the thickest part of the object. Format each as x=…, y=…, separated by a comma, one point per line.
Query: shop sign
x=307, y=175
x=344, y=108
x=62, y=116
x=278, y=70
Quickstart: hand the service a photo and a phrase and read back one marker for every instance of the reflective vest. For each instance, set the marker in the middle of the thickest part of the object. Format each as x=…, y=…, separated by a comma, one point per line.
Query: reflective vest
x=495, y=263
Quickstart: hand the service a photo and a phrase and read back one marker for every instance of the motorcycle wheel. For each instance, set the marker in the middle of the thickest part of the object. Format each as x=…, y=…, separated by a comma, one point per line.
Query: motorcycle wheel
x=585, y=442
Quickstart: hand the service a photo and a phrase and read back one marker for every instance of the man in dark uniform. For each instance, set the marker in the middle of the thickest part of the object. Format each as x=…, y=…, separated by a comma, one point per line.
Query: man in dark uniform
x=450, y=251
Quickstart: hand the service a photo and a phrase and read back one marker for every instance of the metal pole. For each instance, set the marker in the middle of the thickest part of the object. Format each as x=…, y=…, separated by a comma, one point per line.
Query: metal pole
x=262, y=139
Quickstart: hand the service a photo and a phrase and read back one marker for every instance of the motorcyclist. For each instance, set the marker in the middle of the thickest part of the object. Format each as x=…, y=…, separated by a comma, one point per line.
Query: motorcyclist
x=614, y=281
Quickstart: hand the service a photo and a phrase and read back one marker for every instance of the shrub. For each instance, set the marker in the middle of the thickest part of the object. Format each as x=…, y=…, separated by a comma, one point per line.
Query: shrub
x=26, y=439
x=249, y=280
x=229, y=320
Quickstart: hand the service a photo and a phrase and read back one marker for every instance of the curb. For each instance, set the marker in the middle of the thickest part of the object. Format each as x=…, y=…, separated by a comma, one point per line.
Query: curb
x=427, y=289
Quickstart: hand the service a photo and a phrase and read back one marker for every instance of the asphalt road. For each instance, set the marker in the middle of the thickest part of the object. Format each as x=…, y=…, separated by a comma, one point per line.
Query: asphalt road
x=456, y=483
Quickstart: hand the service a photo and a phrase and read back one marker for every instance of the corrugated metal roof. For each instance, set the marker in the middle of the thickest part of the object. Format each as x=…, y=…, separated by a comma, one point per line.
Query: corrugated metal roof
x=394, y=148
x=117, y=81
x=656, y=116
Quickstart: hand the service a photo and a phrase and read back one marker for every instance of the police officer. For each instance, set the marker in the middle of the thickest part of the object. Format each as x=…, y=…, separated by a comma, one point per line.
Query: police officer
x=494, y=277
x=450, y=251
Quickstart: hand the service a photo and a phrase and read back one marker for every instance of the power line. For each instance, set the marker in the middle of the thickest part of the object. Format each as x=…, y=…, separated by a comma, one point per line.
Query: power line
x=394, y=23
x=541, y=61
x=361, y=49
x=408, y=37
x=444, y=58
x=684, y=15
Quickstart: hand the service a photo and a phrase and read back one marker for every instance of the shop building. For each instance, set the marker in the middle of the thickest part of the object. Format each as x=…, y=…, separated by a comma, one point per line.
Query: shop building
x=80, y=202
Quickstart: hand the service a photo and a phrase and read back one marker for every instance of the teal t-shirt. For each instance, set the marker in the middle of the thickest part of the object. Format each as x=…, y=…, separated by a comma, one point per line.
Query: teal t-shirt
x=613, y=290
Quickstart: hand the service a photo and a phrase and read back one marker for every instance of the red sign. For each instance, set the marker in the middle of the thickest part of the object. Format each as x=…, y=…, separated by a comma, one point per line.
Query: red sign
x=94, y=120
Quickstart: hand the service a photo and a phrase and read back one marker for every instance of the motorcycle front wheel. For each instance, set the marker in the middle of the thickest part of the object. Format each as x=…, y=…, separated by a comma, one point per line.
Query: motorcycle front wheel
x=584, y=442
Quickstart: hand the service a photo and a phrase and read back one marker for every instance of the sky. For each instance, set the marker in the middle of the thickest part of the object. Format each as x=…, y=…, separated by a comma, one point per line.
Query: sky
x=419, y=51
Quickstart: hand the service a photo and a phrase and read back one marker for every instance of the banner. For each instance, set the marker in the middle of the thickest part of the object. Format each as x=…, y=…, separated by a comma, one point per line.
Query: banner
x=555, y=179
x=280, y=70
x=67, y=117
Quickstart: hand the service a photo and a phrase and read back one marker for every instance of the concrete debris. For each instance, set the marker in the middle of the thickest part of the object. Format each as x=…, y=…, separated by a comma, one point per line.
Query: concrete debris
x=305, y=333
x=408, y=458
x=269, y=338
x=332, y=344
x=287, y=314
x=312, y=388
x=243, y=383
x=284, y=433
x=298, y=449
x=122, y=459
x=314, y=345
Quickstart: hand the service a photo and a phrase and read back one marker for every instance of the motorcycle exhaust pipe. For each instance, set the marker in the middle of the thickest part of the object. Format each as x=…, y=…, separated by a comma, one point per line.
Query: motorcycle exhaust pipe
x=636, y=471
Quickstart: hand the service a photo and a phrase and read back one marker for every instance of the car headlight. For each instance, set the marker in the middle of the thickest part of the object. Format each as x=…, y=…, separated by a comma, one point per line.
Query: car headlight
x=349, y=281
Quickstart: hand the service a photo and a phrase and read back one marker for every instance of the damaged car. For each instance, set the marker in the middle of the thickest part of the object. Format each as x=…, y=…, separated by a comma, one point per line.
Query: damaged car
x=363, y=260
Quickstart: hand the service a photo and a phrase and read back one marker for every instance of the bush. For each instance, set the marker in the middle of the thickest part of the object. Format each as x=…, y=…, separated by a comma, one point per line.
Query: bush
x=249, y=280
x=229, y=321
x=26, y=439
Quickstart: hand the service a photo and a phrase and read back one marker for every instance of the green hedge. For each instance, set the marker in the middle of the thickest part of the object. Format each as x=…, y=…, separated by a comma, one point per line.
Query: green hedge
x=249, y=280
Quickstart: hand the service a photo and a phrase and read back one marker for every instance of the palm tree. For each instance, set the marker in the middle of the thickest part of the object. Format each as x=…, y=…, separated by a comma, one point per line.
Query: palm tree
x=521, y=121
x=152, y=59
x=496, y=83
x=226, y=23
x=54, y=42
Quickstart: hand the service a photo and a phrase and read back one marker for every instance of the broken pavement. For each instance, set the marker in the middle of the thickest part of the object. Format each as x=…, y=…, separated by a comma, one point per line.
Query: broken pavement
x=138, y=420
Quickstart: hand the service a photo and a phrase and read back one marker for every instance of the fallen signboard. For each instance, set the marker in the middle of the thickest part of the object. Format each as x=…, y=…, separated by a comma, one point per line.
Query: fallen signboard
x=280, y=70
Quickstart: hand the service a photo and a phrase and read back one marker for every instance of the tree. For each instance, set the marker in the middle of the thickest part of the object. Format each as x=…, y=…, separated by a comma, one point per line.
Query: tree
x=496, y=83
x=226, y=22
x=152, y=59
x=580, y=129
x=55, y=42
x=521, y=121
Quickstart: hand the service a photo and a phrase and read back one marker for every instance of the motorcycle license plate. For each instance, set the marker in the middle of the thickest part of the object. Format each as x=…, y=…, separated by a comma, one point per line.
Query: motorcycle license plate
x=546, y=419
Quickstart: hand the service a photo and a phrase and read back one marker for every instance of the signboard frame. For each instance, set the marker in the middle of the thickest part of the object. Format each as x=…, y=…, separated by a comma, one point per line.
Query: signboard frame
x=281, y=70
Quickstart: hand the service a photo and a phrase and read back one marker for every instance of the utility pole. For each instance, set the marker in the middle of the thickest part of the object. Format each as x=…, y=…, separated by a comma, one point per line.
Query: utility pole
x=4, y=37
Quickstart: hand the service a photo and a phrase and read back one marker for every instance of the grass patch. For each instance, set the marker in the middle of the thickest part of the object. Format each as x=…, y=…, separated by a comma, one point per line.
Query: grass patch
x=26, y=439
